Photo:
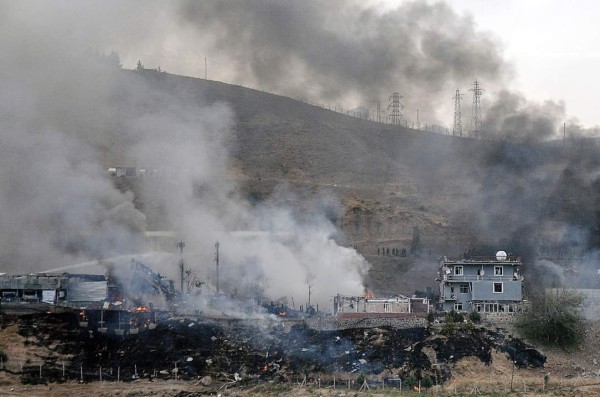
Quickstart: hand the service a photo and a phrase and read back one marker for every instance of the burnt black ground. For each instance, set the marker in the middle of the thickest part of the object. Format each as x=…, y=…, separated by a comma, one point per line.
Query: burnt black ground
x=270, y=350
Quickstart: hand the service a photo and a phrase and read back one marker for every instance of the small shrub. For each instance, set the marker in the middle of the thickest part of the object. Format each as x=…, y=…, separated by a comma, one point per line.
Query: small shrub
x=411, y=380
x=426, y=382
x=361, y=379
x=430, y=318
x=454, y=317
x=449, y=327
x=475, y=317
x=3, y=355
x=468, y=326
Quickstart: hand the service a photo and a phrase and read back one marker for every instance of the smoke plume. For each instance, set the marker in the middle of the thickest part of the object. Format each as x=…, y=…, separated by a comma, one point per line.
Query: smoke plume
x=66, y=115
x=511, y=117
x=344, y=52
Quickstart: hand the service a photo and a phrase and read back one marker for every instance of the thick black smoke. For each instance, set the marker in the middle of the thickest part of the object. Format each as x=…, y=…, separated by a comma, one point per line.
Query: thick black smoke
x=511, y=117
x=341, y=51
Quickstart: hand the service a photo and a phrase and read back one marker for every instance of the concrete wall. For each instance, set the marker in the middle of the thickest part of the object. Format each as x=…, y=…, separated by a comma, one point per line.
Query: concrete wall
x=332, y=323
x=484, y=290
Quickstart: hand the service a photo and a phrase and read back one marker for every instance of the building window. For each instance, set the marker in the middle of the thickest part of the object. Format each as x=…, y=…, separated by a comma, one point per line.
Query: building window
x=386, y=308
x=458, y=307
x=458, y=270
x=464, y=289
x=498, y=288
x=498, y=270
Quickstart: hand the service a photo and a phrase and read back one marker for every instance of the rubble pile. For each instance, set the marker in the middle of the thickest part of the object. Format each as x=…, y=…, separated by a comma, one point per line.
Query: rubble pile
x=243, y=350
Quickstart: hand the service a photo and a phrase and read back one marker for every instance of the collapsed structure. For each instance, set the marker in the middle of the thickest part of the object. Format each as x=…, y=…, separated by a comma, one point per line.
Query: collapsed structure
x=130, y=285
x=481, y=284
x=61, y=289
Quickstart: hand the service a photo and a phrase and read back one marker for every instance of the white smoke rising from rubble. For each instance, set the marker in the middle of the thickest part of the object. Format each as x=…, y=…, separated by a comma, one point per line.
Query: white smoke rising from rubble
x=61, y=113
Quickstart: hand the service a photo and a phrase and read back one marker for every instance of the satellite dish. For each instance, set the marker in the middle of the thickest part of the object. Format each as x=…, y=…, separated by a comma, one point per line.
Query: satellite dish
x=481, y=272
x=501, y=256
x=448, y=271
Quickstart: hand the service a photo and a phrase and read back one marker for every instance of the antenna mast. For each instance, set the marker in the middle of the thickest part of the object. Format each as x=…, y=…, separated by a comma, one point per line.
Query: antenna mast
x=217, y=261
x=457, y=128
x=476, y=112
x=181, y=245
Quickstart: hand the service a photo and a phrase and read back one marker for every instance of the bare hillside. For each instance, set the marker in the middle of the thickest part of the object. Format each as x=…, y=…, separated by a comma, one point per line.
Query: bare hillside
x=395, y=188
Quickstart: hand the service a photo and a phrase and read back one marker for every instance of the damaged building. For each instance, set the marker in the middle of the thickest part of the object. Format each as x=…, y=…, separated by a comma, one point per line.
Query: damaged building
x=131, y=285
x=54, y=289
x=481, y=284
x=371, y=307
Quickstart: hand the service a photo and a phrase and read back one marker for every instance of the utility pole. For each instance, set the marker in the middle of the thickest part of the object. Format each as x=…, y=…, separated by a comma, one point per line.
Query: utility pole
x=309, y=291
x=181, y=245
x=378, y=111
x=396, y=106
x=418, y=125
x=205, y=70
x=476, y=112
x=457, y=128
x=217, y=262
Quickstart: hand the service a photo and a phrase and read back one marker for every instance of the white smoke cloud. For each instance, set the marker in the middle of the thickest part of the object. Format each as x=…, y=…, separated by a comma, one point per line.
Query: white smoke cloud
x=64, y=118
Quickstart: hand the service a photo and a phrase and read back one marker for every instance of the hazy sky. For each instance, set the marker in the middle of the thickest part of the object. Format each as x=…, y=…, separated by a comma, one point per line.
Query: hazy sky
x=553, y=45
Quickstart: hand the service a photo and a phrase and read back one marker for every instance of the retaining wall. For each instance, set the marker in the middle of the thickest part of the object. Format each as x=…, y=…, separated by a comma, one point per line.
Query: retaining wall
x=333, y=323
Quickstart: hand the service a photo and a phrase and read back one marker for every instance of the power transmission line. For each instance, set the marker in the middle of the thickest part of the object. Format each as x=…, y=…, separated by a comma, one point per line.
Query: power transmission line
x=396, y=116
x=457, y=128
x=476, y=131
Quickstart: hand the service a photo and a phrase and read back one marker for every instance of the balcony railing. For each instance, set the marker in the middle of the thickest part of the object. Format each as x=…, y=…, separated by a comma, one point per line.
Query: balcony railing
x=478, y=259
x=453, y=277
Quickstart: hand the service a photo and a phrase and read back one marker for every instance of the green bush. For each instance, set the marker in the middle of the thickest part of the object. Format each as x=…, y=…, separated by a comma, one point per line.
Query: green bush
x=3, y=355
x=411, y=380
x=554, y=318
x=468, y=326
x=449, y=327
x=475, y=317
x=430, y=318
x=361, y=379
x=426, y=382
x=454, y=317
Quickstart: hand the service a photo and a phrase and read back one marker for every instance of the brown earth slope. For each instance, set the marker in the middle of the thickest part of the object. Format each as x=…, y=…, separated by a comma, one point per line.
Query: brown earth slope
x=428, y=193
